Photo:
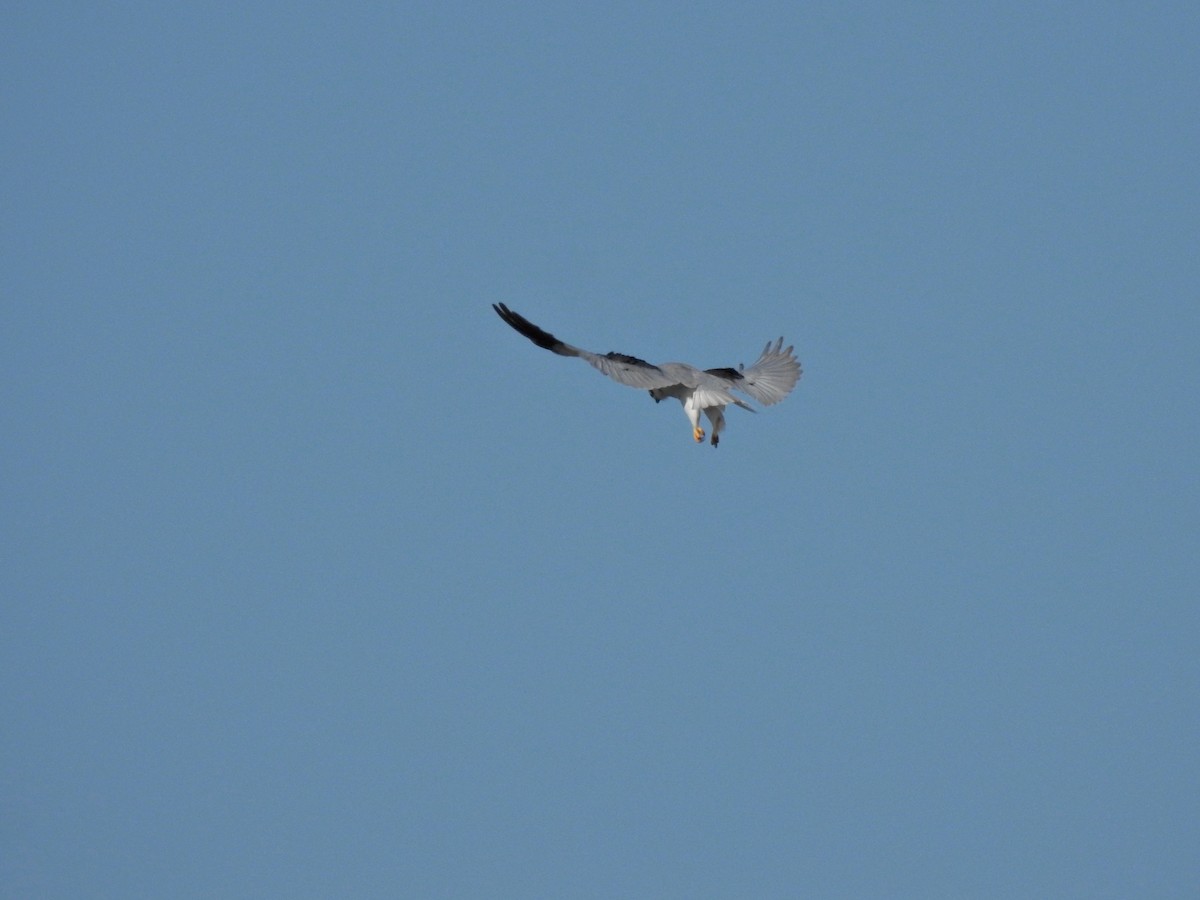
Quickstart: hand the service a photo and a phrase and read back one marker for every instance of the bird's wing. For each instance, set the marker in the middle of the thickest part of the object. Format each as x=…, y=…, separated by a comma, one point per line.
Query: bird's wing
x=710, y=395
x=770, y=379
x=714, y=387
x=628, y=370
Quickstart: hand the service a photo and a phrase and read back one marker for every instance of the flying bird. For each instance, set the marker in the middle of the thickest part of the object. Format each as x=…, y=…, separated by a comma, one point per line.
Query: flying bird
x=768, y=381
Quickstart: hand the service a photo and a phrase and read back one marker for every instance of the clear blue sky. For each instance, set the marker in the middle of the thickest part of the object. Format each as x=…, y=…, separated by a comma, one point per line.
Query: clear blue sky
x=319, y=581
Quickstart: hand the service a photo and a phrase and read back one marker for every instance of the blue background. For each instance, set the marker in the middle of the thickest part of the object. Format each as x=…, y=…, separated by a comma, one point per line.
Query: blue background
x=318, y=580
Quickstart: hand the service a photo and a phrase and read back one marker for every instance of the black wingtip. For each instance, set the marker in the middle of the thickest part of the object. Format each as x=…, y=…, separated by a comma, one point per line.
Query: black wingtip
x=521, y=325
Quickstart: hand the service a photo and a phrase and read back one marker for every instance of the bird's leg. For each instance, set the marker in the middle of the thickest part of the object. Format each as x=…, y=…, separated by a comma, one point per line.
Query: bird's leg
x=693, y=415
x=716, y=415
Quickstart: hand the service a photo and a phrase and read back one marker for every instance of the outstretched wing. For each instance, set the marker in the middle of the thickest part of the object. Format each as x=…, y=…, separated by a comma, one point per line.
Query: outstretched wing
x=772, y=376
x=628, y=370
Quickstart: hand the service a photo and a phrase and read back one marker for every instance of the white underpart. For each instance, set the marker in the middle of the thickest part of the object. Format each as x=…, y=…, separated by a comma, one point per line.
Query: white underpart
x=695, y=402
x=707, y=394
x=692, y=409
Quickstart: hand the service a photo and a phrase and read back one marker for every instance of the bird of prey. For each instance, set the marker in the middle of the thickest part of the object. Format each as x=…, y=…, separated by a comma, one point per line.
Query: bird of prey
x=768, y=381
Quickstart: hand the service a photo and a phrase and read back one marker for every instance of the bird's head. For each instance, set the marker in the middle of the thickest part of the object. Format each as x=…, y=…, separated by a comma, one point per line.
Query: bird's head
x=657, y=394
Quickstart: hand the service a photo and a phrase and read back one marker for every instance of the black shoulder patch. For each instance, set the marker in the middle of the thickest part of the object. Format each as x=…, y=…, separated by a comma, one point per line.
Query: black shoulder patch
x=731, y=374
x=630, y=360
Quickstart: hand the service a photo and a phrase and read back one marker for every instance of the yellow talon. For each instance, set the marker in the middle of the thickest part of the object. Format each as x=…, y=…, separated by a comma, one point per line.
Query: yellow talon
x=698, y=434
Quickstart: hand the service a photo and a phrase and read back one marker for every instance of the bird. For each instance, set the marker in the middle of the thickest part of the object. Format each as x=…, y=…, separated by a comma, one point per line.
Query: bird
x=771, y=378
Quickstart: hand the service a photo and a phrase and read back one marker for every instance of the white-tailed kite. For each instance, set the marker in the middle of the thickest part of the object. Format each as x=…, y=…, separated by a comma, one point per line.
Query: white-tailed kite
x=768, y=381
